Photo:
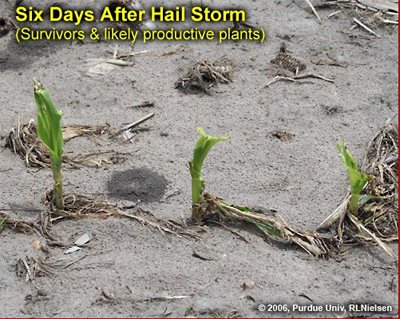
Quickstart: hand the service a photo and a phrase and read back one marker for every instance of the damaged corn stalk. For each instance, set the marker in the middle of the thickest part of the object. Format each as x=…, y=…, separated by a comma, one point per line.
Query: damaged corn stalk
x=206, y=206
x=50, y=133
x=369, y=212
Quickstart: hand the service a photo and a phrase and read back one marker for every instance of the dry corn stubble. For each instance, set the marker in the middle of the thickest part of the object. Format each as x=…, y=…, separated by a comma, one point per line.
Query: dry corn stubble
x=373, y=14
x=377, y=217
x=23, y=140
x=31, y=267
x=80, y=207
x=18, y=224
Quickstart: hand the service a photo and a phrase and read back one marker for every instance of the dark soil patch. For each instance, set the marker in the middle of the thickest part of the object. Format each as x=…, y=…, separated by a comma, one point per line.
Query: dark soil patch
x=138, y=184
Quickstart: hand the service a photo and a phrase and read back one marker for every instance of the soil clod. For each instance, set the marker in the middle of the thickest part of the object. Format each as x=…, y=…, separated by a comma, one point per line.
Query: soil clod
x=282, y=135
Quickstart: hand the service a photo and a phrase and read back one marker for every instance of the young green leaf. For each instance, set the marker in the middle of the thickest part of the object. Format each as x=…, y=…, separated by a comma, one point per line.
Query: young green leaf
x=50, y=133
x=357, y=179
x=49, y=120
x=201, y=149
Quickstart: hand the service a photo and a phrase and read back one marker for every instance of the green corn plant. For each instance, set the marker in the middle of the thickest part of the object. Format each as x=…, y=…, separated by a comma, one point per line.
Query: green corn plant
x=204, y=203
x=358, y=180
x=50, y=133
x=201, y=149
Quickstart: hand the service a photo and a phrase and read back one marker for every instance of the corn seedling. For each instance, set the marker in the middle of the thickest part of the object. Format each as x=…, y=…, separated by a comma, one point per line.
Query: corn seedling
x=71, y=205
x=369, y=212
x=201, y=149
x=50, y=133
x=358, y=180
x=206, y=206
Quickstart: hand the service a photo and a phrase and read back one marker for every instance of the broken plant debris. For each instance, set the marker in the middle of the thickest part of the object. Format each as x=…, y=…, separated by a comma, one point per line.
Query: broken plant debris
x=30, y=268
x=203, y=76
x=78, y=207
x=23, y=140
x=365, y=14
x=285, y=61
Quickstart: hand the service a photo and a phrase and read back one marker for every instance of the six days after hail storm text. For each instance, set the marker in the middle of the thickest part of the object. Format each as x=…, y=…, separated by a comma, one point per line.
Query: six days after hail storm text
x=121, y=14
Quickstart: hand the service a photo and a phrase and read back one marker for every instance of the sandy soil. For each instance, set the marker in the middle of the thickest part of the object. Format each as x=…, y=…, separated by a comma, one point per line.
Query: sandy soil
x=128, y=269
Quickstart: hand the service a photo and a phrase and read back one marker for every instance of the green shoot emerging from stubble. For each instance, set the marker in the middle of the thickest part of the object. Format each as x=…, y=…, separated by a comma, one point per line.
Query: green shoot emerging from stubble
x=201, y=149
x=50, y=133
x=206, y=205
x=357, y=179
